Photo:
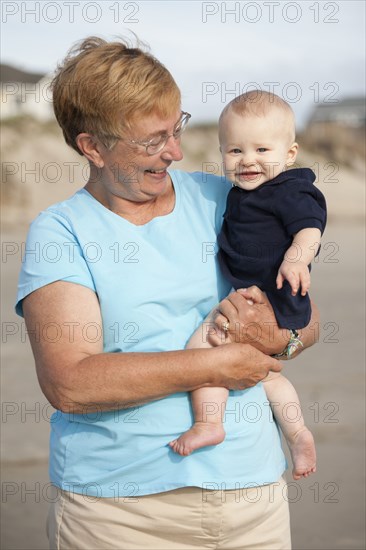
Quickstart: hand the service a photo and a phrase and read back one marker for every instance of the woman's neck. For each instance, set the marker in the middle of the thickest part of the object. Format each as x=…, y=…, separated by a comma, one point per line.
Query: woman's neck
x=136, y=212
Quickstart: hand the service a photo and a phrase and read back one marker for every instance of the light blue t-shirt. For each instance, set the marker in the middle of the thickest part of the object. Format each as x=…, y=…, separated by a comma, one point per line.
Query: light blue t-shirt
x=155, y=284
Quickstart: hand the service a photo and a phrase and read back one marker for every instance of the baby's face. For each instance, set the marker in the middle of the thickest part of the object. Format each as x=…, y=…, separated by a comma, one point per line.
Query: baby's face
x=255, y=149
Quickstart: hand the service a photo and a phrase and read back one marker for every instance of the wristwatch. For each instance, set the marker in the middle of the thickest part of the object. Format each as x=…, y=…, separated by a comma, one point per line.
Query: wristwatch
x=293, y=345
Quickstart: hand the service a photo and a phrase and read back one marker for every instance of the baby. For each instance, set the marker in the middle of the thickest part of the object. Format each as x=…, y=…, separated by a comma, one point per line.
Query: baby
x=271, y=232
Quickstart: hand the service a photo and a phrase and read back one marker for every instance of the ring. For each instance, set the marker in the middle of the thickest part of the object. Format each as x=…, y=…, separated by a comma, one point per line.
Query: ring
x=226, y=326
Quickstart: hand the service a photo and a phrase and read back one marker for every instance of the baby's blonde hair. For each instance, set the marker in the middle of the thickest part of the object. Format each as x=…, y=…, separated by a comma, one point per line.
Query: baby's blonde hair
x=260, y=103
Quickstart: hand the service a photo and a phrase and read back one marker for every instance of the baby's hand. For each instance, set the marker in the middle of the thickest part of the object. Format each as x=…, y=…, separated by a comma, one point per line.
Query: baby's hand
x=296, y=273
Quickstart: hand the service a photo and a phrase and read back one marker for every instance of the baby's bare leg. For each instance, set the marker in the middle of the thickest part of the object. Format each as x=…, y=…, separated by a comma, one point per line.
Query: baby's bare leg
x=207, y=335
x=208, y=408
x=287, y=411
x=208, y=404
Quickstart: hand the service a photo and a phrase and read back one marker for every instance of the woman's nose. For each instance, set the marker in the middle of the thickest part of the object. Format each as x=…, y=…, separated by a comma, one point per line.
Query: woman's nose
x=172, y=149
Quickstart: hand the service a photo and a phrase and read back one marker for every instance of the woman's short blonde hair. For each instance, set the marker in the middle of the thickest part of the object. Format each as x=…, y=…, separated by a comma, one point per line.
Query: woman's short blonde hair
x=102, y=87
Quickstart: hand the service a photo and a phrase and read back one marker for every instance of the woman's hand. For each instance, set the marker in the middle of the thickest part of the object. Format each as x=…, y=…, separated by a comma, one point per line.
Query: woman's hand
x=242, y=366
x=247, y=316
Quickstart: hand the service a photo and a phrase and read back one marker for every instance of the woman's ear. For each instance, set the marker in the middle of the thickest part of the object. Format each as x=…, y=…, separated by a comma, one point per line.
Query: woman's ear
x=292, y=154
x=90, y=147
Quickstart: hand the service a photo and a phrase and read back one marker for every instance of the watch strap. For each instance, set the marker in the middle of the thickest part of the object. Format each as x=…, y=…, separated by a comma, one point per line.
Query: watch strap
x=293, y=345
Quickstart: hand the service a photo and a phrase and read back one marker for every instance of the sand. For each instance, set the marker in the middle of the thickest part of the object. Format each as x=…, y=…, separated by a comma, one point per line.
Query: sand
x=328, y=508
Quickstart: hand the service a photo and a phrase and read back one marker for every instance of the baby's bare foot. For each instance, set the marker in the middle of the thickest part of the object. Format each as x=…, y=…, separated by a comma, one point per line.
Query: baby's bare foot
x=303, y=454
x=200, y=435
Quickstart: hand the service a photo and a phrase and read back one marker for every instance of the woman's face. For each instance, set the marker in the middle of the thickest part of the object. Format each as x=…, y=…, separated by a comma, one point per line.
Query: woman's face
x=129, y=172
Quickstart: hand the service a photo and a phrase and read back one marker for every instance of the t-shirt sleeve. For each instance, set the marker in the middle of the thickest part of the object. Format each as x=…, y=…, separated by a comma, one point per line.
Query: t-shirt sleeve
x=299, y=206
x=51, y=253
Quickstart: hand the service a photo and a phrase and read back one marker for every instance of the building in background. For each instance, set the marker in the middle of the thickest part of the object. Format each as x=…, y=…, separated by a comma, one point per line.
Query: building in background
x=349, y=112
x=24, y=93
x=337, y=130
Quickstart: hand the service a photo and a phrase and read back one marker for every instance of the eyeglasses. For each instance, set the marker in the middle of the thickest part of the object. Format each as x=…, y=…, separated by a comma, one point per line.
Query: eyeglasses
x=156, y=144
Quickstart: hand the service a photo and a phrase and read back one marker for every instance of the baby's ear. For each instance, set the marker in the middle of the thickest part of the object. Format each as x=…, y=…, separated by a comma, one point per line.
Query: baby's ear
x=292, y=154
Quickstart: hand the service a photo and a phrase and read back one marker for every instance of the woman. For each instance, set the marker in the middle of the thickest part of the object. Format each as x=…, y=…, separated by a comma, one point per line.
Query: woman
x=135, y=273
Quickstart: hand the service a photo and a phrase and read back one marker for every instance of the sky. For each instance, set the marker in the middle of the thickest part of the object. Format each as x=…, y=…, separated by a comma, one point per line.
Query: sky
x=305, y=51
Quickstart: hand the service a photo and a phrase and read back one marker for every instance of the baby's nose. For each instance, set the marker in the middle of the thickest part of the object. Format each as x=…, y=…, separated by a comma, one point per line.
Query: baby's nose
x=248, y=160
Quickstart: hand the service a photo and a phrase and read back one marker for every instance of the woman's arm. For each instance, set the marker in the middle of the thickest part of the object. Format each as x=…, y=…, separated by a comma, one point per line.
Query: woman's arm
x=252, y=321
x=76, y=376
